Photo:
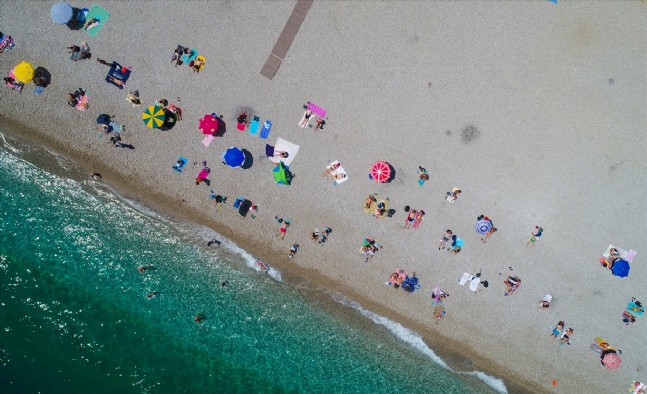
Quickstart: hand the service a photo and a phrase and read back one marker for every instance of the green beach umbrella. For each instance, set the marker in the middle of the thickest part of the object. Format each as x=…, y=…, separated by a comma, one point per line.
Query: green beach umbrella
x=154, y=117
x=282, y=174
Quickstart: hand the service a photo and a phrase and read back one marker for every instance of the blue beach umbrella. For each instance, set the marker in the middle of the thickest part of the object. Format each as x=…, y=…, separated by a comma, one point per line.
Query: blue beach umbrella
x=483, y=226
x=234, y=157
x=620, y=268
x=61, y=13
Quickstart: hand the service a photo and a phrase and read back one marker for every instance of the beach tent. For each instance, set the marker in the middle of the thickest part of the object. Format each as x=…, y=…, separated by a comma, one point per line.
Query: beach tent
x=24, y=72
x=234, y=157
x=282, y=174
x=61, y=13
x=153, y=117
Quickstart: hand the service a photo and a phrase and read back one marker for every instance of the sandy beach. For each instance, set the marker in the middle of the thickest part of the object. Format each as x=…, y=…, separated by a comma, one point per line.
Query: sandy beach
x=535, y=110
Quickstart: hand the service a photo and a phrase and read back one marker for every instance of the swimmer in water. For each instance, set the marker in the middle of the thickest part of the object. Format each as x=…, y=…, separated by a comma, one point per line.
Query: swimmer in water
x=152, y=294
x=214, y=242
x=224, y=283
x=199, y=318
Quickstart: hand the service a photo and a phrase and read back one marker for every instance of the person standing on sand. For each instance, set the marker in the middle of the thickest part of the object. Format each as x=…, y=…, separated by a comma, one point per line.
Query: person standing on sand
x=535, y=236
x=488, y=234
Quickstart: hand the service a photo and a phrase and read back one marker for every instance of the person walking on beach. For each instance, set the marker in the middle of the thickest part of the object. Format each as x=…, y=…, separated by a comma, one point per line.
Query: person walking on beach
x=536, y=234
x=446, y=237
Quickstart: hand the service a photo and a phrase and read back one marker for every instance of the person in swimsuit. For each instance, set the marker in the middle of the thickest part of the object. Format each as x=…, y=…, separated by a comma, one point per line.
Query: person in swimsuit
x=306, y=119
x=446, y=237
x=535, y=236
x=410, y=218
x=330, y=169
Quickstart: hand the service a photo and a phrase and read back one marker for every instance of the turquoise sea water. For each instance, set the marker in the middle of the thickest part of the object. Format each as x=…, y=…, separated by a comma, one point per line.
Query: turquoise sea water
x=75, y=317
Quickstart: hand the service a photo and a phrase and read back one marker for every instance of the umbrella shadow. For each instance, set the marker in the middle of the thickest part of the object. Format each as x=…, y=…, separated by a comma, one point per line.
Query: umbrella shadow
x=222, y=128
x=249, y=159
x=392, y=176
x=170, y=120
x=78, y=19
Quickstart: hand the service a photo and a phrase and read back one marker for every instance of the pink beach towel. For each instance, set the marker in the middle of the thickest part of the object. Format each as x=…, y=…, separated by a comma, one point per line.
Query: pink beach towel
x=206, y=141
x=203, y=174
x=317, y=110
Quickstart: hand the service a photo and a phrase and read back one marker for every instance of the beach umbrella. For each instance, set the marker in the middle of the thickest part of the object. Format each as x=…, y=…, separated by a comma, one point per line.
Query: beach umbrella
x=42, y=77
x=611, y=361
x=209, y=124
x=61, y=13
x=154, y=117
x=103, y=119
x=282, y=174
x=381, y=171
x=620, y=268
x=24, y=72
x=234, y=157
x=483, y=226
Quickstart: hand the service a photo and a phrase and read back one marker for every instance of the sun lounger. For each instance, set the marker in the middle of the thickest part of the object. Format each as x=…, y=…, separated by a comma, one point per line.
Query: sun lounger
x=206, y=141
x=101, y=15
x=265, y=131
x=285, y=146
x=253, y=126
x=180, y=166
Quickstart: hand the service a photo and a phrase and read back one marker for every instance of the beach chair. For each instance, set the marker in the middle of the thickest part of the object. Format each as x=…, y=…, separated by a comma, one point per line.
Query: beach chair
x=265, y=131
x=253, y=126
x=101, y=16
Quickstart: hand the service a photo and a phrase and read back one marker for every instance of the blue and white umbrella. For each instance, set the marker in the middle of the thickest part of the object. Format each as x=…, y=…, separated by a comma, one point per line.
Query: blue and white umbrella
x=483, y=226
x=234, y=157
x=61, y=12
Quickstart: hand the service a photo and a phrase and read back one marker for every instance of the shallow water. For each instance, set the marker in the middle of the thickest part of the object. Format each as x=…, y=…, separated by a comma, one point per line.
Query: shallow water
x=76, y=318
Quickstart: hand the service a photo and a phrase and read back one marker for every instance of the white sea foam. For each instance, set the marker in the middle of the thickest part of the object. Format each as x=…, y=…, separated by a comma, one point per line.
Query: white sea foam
x=414, y=340
x=8, y=145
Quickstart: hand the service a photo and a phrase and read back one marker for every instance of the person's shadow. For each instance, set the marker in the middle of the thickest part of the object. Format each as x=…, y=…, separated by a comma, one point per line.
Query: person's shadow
x=249, y=160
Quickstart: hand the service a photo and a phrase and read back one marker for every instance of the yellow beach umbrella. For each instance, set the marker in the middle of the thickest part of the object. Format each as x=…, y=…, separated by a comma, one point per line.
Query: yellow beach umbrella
x=24, y=72
x=154, y=117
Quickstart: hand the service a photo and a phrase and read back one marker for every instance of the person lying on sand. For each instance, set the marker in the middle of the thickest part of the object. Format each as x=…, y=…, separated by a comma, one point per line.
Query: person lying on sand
x=330, y=169
x=369, y=200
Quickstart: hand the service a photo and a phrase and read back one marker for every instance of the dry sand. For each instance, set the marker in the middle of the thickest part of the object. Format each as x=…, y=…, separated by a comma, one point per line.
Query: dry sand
x=556, y=93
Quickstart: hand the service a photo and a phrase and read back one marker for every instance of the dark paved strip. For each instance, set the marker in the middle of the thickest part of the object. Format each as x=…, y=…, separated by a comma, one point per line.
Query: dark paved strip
x=285, y=38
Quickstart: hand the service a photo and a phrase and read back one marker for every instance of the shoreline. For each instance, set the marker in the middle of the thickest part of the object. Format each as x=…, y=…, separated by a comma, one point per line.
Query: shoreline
x=310, y=283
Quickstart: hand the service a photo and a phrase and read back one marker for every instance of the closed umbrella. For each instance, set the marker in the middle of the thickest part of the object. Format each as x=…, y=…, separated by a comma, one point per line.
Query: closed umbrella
x=620, y=268
x=209, y=124
x=61, y=13
x=234, y=157
x=154, y=117
x=380, y=171
x=24, y=72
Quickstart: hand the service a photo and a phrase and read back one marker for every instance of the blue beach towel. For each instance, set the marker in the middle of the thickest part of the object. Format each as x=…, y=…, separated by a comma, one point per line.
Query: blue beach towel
x=180, y=166
x=188, y=57
x=238, y=201
x=265, y=131
x=253, y=127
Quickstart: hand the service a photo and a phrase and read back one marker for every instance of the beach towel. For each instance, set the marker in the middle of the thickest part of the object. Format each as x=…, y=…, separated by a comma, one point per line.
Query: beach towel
x=339, y=170
x=203, y=174
x=265, y=131
x=474, y=283
x=464, y=279
x=118, y=72
x=101, y=15
x=188, y=57
x=285, y=146
x=116, y=127
x=80, y=105
x=180, y=166
x=238, y=201
x=317, y=110
x=207, y=140
x=253, y=126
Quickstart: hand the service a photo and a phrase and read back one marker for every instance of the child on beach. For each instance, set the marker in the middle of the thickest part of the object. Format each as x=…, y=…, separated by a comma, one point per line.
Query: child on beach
x=535, y=236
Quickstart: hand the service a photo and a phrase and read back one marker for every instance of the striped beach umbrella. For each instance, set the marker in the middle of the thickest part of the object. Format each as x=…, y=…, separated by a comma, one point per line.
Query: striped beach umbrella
x=381, y=171
x=154, y=117
x=24, y=72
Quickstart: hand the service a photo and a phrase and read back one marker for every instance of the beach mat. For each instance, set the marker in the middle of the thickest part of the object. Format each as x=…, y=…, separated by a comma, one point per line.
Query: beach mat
x=206, y=141
x=265, y=131
x=99, y=13
x=253, y=126
x=285, y=146
x=179, y=168
x=340, y=170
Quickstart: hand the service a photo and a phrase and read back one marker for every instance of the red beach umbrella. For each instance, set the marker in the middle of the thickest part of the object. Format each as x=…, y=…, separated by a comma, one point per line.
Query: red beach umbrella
x=209, y=124
x=611, y=361
x=381, y=171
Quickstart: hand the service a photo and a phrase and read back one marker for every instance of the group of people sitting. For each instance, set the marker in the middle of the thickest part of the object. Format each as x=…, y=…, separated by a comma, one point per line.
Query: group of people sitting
x=183, y=55
x=321, y=236
x=331, y=172
x=400, y=279
x=369, y=248
x=512, y=284
x=79, y=52
x=563, y=334
x=73, y=99
x=414, y=217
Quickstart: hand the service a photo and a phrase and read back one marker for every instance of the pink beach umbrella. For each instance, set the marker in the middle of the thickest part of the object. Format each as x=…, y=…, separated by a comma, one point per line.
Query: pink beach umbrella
x=381, y=171
x=209, y=124
x=611, y=361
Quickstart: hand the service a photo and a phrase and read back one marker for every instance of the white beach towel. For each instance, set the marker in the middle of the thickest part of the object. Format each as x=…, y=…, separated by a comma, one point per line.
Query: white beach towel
x=474, y=284
x=340, y=170
x=464, y=279
x=285, y=146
